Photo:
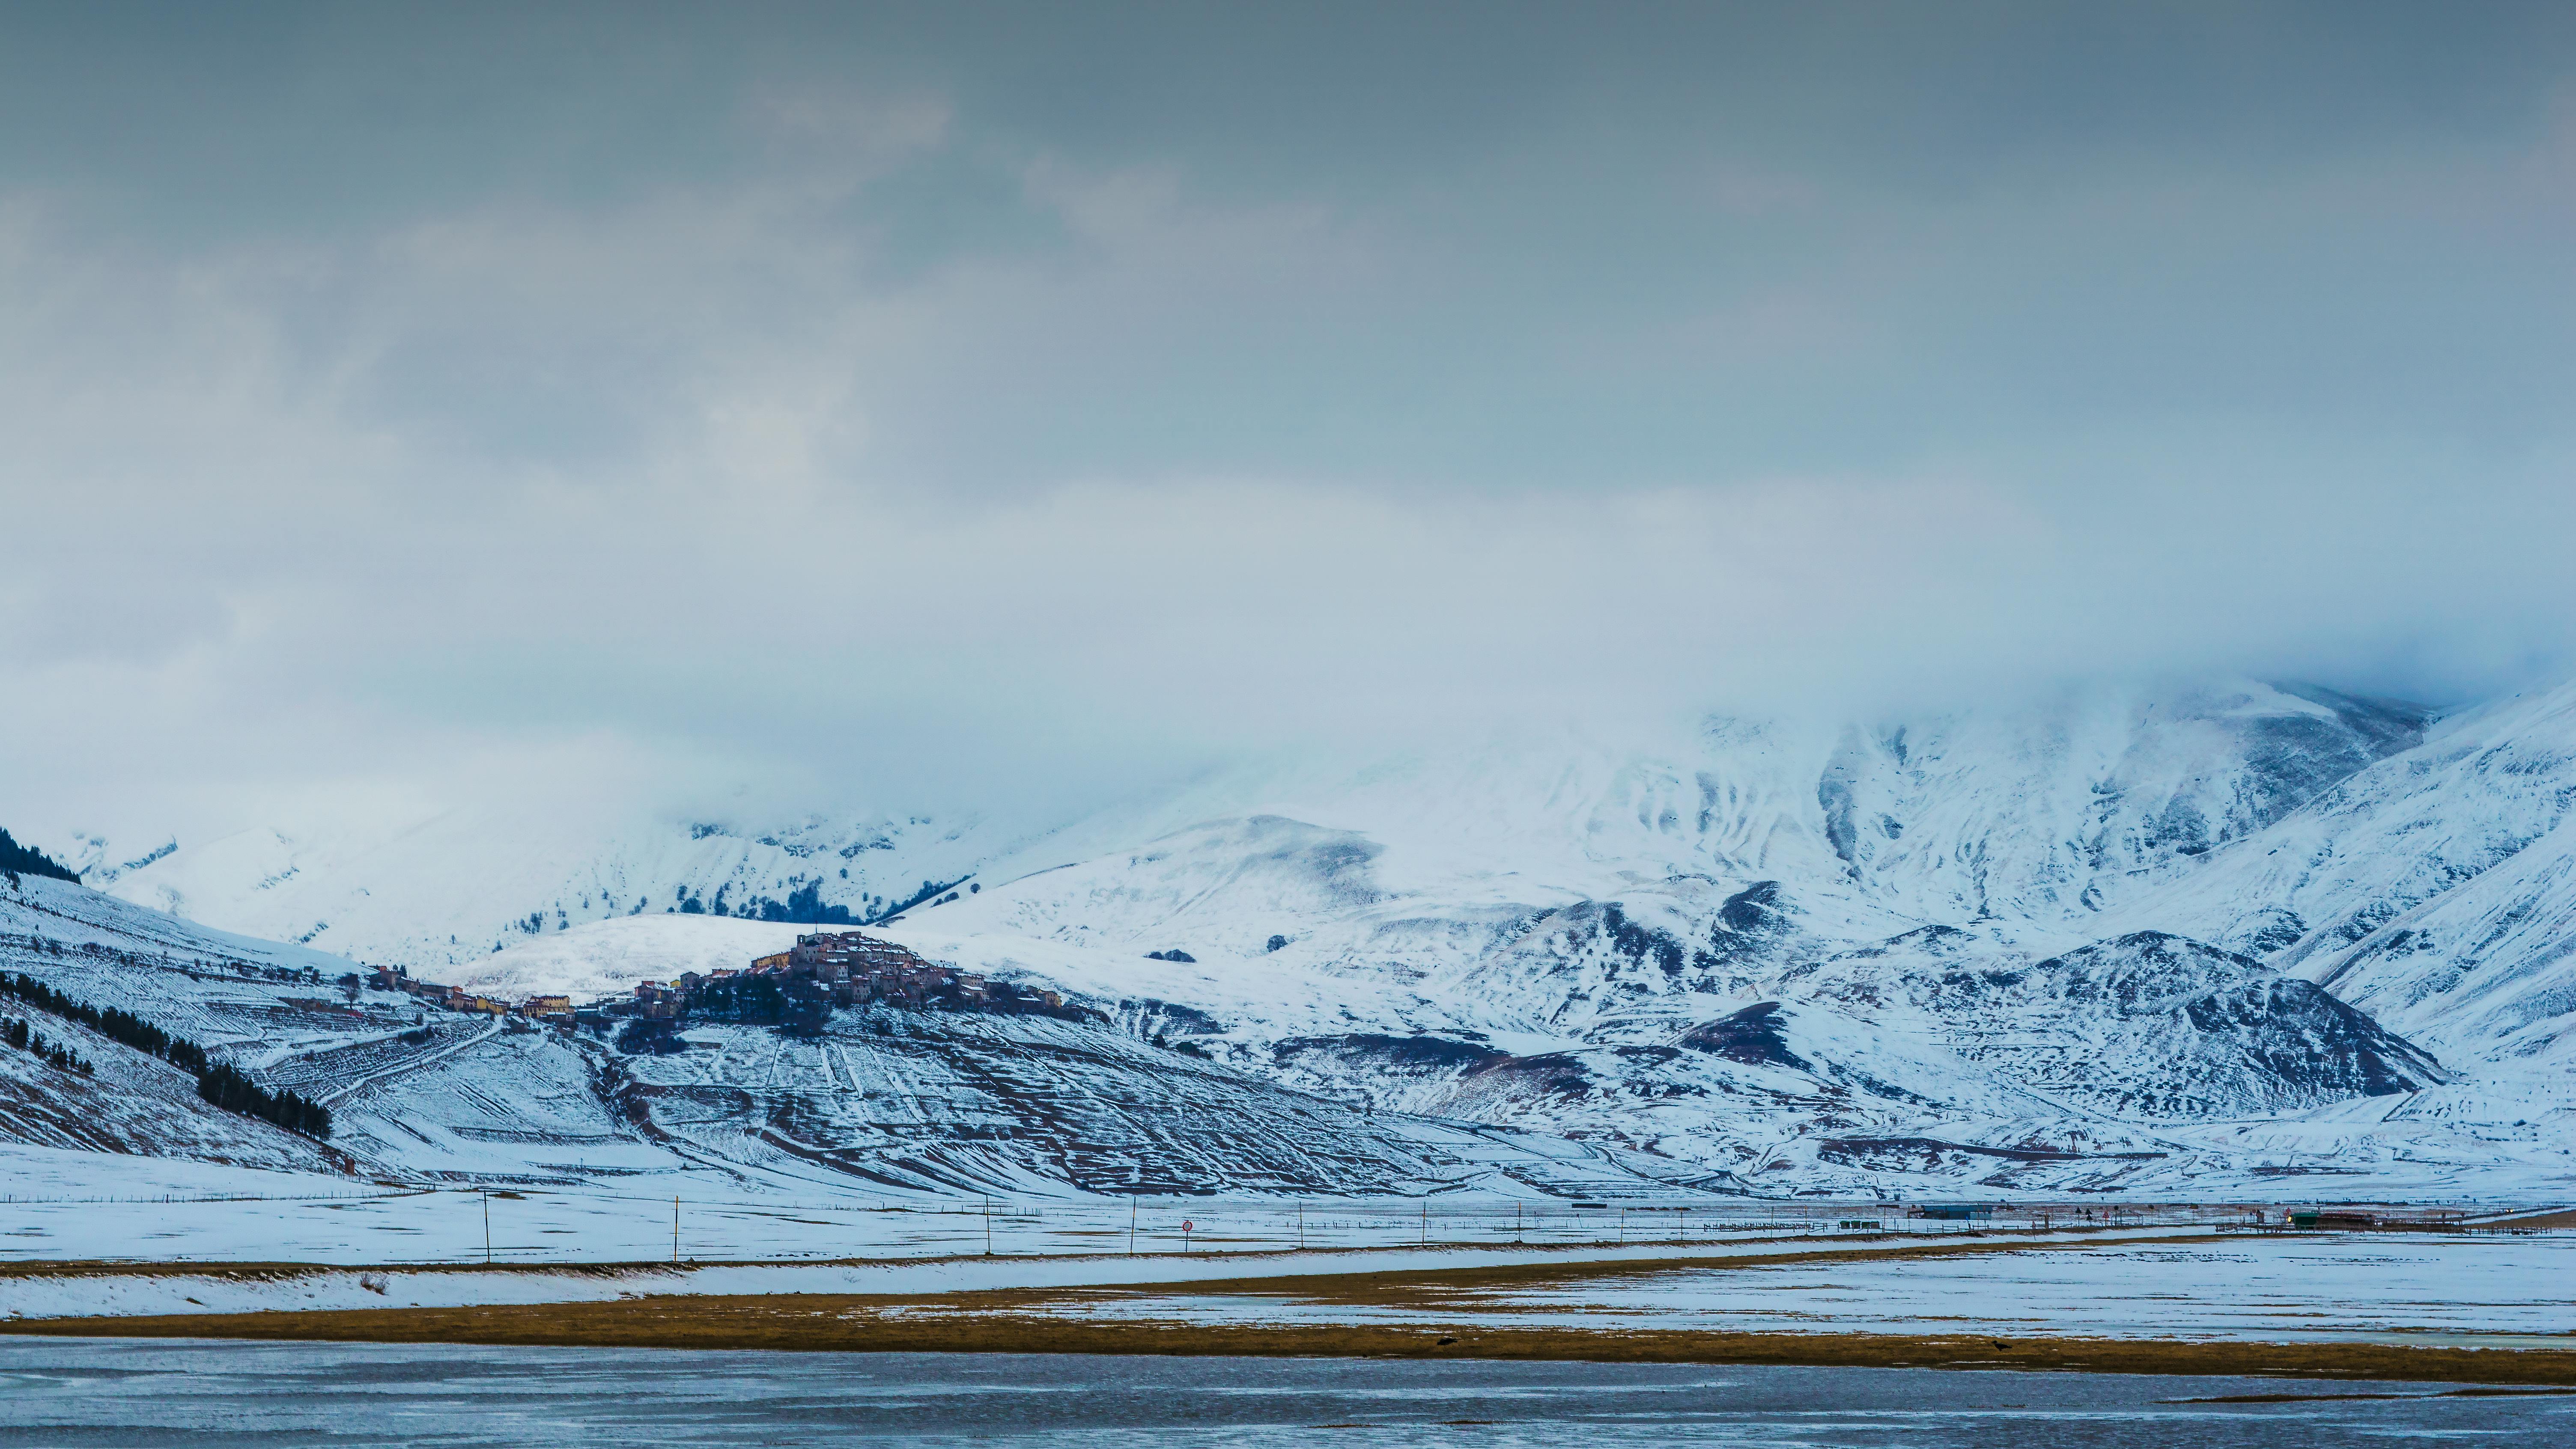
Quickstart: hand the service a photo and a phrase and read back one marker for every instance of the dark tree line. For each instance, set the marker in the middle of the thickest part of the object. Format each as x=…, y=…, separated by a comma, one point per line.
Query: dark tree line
x=218, y=1084
x=115, y=1025
x=17, y=860
x=234, y=1092
x=805, y=905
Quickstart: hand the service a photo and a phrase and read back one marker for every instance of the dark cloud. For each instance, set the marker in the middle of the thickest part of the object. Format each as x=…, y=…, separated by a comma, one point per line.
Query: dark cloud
x=915, y=401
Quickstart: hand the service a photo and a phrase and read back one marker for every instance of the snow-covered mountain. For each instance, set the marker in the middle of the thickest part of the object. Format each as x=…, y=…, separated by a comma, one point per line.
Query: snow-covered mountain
x=2104, y=919
x=2190, y=938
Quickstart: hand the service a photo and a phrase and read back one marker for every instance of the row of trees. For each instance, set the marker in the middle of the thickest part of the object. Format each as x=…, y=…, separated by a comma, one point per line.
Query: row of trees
x=234, y=1092
x=115, y=1025
x=17, y=860
x=25, y=1038
x=216, y=1083
x=805, y=905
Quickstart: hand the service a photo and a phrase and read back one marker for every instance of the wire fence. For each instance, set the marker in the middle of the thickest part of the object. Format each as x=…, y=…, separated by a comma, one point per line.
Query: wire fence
x=545, y=1227
x=182, y=1198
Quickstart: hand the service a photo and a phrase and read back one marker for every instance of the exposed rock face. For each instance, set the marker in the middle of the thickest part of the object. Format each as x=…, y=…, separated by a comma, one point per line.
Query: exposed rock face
x=1756, y=1035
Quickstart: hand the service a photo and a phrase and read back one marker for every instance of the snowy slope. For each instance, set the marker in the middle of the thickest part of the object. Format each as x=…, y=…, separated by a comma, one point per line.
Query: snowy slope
x=2436, y=889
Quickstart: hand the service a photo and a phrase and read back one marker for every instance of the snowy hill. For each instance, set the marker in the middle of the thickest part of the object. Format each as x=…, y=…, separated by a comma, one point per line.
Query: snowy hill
x=885, y=1101
x=607, y=958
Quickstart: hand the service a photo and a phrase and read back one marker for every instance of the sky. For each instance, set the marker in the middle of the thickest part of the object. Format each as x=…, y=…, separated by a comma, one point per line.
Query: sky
x=896, y=406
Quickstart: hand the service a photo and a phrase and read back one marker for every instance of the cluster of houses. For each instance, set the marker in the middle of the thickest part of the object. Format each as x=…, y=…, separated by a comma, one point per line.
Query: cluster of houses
x=457, y=998
x=849, y=969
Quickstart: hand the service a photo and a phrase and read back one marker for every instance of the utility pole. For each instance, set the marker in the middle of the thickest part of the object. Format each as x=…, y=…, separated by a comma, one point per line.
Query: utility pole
x=988, y=1225
x=1426, y=1222
x=1301, y=1227
x=675, y=1228
x=1516, y=1222
x=487, y=1225
x=1131, y=1225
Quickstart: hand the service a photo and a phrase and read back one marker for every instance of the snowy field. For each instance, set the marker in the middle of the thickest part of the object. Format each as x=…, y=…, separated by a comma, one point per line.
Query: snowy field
x=2472, y=1292
x=42, y=1294
x=61, y=1206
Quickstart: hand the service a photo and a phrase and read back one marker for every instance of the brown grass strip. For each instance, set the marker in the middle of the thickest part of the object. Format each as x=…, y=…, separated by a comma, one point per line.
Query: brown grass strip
x=819, y=1323
x=1396, y=1286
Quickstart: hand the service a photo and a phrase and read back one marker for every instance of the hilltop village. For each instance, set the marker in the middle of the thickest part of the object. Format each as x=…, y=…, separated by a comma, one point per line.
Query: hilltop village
x=800, y=985
x=843, y=969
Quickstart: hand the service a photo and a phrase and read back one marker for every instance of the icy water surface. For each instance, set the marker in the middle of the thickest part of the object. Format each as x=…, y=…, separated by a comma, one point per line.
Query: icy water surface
x=80, y=1392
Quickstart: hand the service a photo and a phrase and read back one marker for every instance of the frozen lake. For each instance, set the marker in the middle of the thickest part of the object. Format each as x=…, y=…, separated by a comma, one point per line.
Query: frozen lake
x=206, y=1395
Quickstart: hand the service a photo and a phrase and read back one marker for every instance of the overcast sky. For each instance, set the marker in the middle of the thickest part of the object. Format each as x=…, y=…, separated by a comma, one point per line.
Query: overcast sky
x=887, y=404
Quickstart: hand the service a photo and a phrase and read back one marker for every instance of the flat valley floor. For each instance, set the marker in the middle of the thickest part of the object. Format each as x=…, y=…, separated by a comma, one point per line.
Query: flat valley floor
x=2460, y=1309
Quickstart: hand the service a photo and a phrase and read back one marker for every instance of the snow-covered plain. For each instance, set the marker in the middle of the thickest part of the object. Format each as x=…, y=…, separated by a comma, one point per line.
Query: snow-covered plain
x=66, y=1206
x=2464, y=1292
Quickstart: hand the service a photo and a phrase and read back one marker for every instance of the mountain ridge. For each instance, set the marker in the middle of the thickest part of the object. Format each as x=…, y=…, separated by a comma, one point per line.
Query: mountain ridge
x=2175, y=921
